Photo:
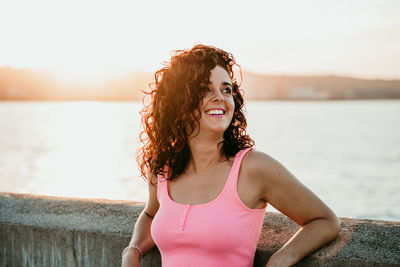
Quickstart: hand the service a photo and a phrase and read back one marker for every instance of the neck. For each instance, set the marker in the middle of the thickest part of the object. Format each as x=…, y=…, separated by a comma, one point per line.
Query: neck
x=204, y=152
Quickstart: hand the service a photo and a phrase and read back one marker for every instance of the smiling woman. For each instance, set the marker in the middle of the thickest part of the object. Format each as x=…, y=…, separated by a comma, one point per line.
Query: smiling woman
x=212, y=187
x=182, y=92
x=217, y=106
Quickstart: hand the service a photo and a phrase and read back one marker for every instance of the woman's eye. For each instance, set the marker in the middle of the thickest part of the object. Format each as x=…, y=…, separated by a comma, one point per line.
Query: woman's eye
x=228, y=90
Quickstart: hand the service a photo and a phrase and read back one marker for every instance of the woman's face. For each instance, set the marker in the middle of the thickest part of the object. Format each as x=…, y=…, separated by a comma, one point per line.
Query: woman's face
x=217, y=106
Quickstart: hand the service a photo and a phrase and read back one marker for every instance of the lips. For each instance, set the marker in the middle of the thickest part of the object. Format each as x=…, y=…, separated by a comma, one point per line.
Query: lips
x=215, y=112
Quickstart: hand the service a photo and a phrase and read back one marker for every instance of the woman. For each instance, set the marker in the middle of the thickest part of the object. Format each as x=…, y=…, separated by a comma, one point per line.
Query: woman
x=208, y=189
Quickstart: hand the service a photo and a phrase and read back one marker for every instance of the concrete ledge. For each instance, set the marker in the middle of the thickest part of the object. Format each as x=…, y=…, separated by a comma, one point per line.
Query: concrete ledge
x=53, y=231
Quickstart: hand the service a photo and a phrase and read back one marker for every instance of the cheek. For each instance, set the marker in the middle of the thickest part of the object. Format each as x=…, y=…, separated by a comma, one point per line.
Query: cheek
x=232, y=104
x=231, y=109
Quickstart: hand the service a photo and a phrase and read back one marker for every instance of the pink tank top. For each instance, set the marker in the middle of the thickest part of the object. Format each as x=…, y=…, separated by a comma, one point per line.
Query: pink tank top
x=222, y=232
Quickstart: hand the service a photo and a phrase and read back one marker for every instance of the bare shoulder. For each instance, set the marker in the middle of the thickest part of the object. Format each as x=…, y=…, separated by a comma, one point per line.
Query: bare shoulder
x=267, y=173
x=257, y=157
x=261, y=165
x=257, y=172
x=283, y=190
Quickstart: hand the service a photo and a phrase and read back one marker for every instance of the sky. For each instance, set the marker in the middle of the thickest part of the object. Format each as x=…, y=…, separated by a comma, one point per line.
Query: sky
x=86, y=40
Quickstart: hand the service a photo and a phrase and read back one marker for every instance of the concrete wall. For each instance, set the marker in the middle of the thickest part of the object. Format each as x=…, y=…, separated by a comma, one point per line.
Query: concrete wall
x=50, y=231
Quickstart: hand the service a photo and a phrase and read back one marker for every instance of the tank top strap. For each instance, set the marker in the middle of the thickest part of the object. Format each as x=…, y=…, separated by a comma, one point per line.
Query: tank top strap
x=234, y=174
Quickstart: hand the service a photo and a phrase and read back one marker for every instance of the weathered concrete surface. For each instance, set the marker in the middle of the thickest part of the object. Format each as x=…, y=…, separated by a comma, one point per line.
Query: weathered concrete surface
x=360, y=243
x=52, y=231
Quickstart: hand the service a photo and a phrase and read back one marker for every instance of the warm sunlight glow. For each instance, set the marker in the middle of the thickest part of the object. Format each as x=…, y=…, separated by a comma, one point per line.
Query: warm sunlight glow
x=83, y=143
x=90, y=40
x=84, y=74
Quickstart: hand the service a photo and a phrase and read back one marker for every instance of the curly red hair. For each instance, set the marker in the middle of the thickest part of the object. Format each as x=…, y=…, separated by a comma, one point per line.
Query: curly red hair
x=169, y=117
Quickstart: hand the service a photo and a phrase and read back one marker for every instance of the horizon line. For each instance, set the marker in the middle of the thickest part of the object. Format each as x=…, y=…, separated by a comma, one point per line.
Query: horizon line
x=126, y=71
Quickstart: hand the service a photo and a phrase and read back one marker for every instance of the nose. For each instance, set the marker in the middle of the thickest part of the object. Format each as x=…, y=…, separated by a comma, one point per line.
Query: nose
x=217, y=96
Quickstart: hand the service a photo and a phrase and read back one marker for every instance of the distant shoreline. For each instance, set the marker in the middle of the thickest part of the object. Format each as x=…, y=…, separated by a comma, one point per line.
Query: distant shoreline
x=30, y=85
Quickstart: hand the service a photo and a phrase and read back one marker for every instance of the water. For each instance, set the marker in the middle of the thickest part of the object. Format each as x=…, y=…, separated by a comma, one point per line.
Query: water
x=347, y=152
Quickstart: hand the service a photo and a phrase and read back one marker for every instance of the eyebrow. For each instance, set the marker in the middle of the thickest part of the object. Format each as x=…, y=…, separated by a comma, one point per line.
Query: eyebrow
x=223, y=83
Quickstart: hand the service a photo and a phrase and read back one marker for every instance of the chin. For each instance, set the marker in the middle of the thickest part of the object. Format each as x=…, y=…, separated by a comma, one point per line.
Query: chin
x=220, y=129
x=215, y=127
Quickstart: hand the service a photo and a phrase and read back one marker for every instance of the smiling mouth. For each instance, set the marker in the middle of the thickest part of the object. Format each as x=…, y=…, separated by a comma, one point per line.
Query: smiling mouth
x=216, y=112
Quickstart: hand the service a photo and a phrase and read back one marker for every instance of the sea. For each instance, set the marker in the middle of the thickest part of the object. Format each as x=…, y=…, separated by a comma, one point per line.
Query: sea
x=347, y=152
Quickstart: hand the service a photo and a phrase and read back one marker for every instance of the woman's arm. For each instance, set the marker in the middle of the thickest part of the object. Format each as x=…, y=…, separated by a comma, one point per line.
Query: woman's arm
x=141, y=234
x=319, y=225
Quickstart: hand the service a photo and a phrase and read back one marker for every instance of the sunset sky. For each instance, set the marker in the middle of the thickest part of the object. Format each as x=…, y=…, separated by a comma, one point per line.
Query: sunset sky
x=95, y=39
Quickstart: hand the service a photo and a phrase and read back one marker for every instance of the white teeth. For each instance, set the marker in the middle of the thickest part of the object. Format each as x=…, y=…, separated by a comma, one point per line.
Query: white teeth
x=215, y=112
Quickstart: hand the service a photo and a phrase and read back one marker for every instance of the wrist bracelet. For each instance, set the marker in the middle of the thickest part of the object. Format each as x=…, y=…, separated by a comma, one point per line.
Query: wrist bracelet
x=134, y=246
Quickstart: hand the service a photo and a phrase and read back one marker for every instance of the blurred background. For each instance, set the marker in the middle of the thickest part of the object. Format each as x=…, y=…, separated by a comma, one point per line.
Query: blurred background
x=321, y=81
